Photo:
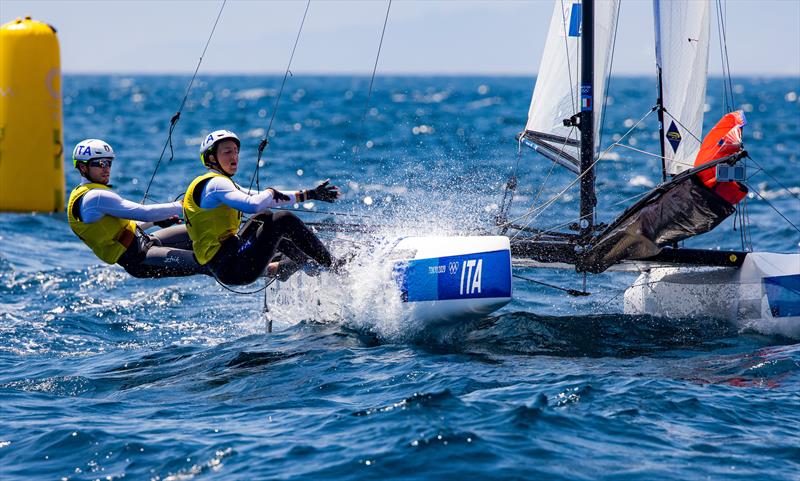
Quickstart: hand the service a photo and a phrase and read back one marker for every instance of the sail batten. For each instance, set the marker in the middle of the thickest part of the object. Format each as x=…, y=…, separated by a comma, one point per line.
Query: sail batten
x=682, y=43
x=553, y=148
x=556, y=96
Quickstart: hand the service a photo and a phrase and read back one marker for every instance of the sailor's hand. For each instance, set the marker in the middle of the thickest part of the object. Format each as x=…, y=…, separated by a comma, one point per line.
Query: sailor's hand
x=278, y=195
x=170, y=221
x=324, y=192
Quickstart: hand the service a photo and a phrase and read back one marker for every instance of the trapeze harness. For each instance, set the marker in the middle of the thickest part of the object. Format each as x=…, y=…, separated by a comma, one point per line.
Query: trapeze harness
x=238, y=257
x=166, y=253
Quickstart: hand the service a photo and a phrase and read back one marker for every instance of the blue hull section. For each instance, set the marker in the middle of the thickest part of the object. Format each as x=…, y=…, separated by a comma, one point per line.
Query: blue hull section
x=783, y=294
x=469, y=276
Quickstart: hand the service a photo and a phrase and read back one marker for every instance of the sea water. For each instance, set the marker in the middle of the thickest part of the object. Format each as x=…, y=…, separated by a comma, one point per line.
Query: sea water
x=103, y=376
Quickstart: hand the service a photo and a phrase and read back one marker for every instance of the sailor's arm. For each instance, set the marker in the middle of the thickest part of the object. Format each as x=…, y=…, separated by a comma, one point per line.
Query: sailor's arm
x=220, y=190
x=323, y=191
x=98, y=203
x=273, y=198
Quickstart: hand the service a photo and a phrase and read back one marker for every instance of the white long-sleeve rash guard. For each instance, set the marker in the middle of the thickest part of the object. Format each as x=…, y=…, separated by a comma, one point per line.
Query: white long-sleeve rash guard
x=99, y=202
x=221, y=190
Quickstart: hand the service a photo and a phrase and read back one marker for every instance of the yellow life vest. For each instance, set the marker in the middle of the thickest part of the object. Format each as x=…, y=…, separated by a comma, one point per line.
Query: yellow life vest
x=208, y=228
x=109, y=237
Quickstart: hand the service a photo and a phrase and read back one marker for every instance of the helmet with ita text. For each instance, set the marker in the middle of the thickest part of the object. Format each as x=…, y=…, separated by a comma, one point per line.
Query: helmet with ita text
x=210, y=143
x=91, y=149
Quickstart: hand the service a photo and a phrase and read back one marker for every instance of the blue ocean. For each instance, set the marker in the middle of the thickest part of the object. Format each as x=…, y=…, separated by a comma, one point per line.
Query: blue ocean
x=104, y=376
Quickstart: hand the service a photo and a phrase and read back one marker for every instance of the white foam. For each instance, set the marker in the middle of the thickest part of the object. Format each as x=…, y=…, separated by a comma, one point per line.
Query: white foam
x=364, y=296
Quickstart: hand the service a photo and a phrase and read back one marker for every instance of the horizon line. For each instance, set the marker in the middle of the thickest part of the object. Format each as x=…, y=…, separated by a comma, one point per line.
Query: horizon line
x=786, y=75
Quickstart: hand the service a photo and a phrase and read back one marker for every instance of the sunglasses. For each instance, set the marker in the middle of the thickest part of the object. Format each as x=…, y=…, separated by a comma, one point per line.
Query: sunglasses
x=100, y=163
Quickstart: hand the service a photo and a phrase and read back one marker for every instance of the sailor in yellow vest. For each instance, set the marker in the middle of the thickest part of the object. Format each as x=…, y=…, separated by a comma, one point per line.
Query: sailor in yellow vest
x=213, y=207
x=106, y=222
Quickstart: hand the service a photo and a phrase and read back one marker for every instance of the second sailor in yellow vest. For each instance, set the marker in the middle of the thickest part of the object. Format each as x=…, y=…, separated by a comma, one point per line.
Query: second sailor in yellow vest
x=213, y=206
x=107, y=223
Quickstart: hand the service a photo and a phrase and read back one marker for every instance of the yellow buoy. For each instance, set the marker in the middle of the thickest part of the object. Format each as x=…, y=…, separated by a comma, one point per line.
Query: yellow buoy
x=31, y=137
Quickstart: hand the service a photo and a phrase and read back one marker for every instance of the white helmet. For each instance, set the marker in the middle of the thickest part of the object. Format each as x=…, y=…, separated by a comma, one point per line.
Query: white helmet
x=91, y=149
x=211, y=140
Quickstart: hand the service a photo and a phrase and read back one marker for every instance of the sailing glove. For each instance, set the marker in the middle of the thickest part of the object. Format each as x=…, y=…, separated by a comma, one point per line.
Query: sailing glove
x=324, y=192
x=169, y=221
x=278, y=195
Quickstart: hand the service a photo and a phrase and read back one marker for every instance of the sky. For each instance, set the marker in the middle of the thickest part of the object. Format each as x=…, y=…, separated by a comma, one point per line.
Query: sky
x=497, y=37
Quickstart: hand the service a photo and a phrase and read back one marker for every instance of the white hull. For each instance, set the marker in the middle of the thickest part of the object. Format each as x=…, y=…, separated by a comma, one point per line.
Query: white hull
x=763, y=294
x=409, y=284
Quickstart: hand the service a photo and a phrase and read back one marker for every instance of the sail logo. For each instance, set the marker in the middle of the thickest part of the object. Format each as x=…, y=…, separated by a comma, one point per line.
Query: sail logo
x=471, y=272
x=575, y=20
x=673, y=136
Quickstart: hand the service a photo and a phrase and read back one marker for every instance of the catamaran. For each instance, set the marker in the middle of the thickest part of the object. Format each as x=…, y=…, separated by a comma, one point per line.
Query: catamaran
x=703, y=181
x=445, y=278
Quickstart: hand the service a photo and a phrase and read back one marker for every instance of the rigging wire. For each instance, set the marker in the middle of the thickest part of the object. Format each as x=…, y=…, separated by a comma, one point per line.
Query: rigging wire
x=173, y=122
x=727, y=57
x=571, y=292
x=727, y=85
x=727, y=82
x=762, y=169
x=682, y=126
x=552, y=200
x=265, y=140
x=748, y=224
x=505, y=224
x=743, y=213
x=725, y=107
x=502, y=217
x=772, y=206
x=372, y=80
x=643, y=152
x=554, y=228
x=562, y=149
x=549, y=173
x=737, y=218
x=261, y=146
x=608, y=78
x=508, y=192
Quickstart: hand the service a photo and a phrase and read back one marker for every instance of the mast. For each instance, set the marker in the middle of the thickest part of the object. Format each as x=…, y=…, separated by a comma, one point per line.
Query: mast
x=660, y=107
x=660, y=99
x=588, y=199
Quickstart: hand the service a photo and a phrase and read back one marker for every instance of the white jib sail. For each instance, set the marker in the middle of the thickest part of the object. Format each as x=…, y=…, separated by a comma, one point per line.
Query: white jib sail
x=682, y=41
x=556, y=95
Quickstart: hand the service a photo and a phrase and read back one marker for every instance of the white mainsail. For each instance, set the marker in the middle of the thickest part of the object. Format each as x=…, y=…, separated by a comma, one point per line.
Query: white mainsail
x=556, y=95
x=682, y=42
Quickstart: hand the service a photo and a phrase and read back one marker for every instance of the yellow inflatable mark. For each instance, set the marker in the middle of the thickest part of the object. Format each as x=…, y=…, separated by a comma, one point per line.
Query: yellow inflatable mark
x=31, y=137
